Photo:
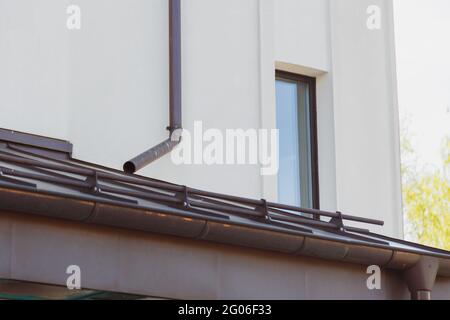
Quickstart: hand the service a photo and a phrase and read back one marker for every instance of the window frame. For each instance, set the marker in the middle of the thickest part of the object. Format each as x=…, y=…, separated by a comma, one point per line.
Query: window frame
x=311, y=82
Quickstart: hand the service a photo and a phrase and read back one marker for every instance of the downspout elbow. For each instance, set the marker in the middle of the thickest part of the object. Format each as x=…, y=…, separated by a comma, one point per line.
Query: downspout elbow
x=150, y=155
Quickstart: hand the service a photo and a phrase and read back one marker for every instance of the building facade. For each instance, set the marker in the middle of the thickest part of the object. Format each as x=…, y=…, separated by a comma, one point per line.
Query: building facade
x=104, y=86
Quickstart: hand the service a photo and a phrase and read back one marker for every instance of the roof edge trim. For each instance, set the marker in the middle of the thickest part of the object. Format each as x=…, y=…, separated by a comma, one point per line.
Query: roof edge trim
x=36, y=141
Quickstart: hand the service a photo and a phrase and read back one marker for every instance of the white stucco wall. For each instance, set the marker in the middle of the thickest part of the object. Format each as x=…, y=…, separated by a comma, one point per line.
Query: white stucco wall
x=105, y=87
x=359, y=160
x=366, y=113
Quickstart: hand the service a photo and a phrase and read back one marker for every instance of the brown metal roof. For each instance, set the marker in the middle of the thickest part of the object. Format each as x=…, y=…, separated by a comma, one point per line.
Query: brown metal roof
x=39, y=176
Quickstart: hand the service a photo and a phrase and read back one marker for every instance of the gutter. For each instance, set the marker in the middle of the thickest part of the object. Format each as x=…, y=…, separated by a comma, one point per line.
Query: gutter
x=175, y=92
x=418, y=266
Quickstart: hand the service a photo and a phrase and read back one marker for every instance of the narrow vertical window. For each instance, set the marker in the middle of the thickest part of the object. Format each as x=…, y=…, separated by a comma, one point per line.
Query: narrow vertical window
x=296, y=117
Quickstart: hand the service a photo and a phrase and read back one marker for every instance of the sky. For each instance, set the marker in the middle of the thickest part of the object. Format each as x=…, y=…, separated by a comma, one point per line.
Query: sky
x=422, y=30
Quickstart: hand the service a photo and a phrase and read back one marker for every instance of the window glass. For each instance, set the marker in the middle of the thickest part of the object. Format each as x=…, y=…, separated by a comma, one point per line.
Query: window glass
x=293, y=122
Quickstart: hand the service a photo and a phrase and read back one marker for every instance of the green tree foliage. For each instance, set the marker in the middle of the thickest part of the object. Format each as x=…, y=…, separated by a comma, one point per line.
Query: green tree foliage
x=426, y=196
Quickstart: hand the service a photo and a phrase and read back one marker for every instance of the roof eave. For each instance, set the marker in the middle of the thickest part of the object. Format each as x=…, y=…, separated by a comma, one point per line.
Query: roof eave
x=183, y=224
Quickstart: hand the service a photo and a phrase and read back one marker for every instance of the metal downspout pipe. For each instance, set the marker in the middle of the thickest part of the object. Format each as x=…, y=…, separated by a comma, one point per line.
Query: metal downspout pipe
x=175, y=91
